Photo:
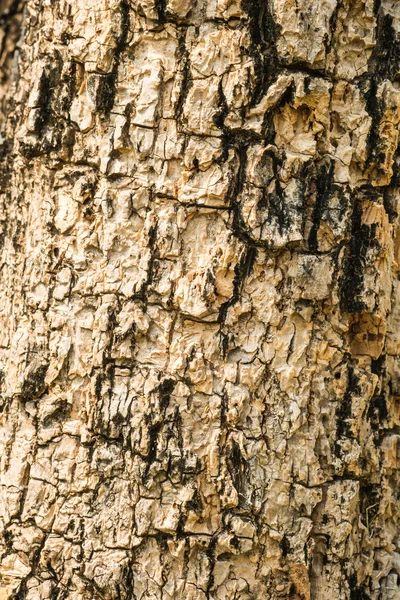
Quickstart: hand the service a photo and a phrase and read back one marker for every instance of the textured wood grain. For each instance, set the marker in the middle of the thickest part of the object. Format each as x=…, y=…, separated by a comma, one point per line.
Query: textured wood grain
x=199, y=300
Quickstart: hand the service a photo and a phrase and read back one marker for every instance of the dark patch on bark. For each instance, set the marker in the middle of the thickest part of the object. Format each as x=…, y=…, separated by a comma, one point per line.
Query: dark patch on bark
x=105, y=93
x=375, y=152
x=385, y=58
x=153, y=433
x=389, y=199
x=325, y=186
x=370, y=496
x=47, y=86
x=165, y=390
x=238, y=470
x=328, y=41
x=182, y=56
x=264, y=32
x=378, y=406
x=10, y=25
x=195, y=504
x=106, y=90
x=34, y=384
x=152, y=264
x=378, y=410
x=211, y=557
x=343, y=411
x=22, y=592
x=356, y=593
x=220, y=116
x=351, y=284
x=160, y=6
x=242, y=269
x=285, y=546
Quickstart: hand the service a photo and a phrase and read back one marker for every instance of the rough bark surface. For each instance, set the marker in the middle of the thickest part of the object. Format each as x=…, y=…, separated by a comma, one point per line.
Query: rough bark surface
x=199, y=299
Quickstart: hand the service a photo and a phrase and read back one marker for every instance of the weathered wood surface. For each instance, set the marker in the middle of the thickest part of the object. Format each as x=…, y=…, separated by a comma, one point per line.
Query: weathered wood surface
x=199, y=300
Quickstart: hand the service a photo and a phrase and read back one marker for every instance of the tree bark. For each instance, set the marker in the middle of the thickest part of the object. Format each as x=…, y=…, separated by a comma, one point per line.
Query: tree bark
x=199, y=300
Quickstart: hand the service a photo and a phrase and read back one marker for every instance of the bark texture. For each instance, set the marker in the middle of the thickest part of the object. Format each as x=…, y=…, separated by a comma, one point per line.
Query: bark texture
x=199, y=300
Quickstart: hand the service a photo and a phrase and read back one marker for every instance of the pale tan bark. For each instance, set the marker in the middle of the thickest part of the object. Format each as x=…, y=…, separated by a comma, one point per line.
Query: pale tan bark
x=199, y=300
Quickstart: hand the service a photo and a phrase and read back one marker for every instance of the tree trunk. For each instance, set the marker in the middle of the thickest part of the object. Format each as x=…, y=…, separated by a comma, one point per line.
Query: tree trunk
x=199, y=300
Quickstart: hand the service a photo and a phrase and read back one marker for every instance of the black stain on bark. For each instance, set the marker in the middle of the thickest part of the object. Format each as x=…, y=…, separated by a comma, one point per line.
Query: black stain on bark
x=343, y=411
x=263, y=31
x=34, y=384
x=356, y=593
x=385, y=58
x=363, y=237
x=238, y=469
x=324, y=189
x=165, y=390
